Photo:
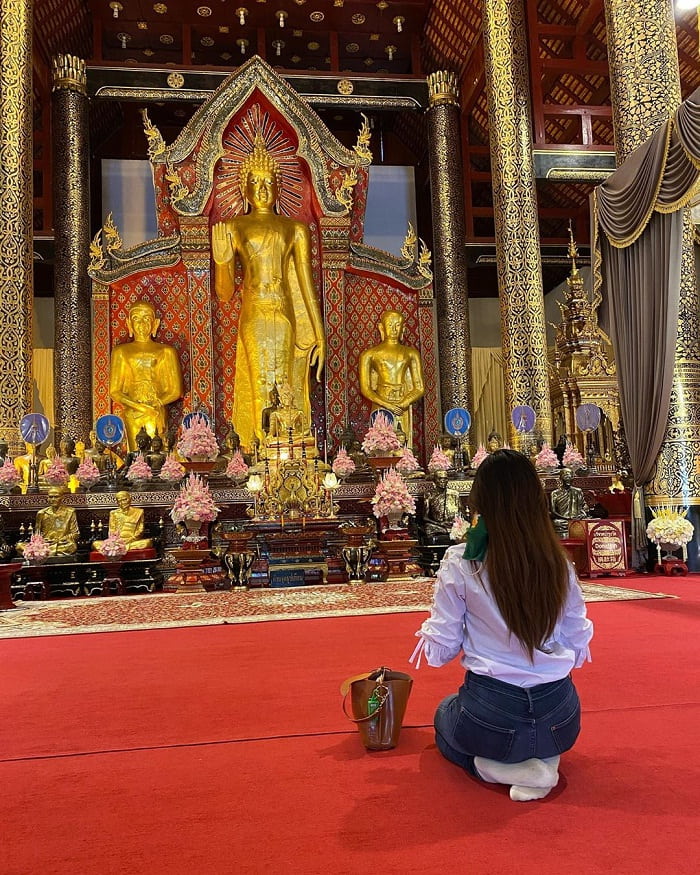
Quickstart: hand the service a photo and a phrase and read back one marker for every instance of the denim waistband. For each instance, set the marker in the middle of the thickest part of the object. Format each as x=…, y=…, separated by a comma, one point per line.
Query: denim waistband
x=537, y=691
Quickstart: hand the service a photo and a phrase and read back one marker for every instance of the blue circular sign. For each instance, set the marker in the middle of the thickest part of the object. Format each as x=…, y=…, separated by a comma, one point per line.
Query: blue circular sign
x=375, y=413
x=109, y=429
x=523, y=418
x=588, y=417
x=457, y=421
x=190, y=418
x=34, y=428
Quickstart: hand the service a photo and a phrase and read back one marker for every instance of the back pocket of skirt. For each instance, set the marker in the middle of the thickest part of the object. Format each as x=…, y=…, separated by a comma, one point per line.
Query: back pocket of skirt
x=483, y=739
x=566, y=732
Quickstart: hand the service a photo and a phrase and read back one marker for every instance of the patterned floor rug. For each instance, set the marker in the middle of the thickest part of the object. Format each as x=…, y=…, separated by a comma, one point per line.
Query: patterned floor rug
x=162, y=611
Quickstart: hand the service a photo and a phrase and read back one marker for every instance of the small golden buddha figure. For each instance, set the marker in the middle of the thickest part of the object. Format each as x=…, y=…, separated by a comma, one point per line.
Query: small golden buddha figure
x=288, y=426
x=280, y=328
x=127, y=522
x=145, y=375
x=45, y=463
x=57, y=524
x=23, y=464
x=391, y=373
x=494, y=441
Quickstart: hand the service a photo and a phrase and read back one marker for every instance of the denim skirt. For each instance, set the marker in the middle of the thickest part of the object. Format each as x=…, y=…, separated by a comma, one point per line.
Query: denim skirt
x=490, y=718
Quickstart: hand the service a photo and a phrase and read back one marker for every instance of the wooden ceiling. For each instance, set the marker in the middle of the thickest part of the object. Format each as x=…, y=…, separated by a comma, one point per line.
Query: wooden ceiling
x=569, y=77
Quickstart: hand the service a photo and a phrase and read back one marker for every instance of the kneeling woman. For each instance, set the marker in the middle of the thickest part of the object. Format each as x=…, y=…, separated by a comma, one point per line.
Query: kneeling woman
x=511, y=604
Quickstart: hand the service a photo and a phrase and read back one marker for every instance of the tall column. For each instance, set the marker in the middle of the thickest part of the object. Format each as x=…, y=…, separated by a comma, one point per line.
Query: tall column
x=71, y=200
x=646, y=91
x=449, y=237
x=16, y=215
x=518, y=257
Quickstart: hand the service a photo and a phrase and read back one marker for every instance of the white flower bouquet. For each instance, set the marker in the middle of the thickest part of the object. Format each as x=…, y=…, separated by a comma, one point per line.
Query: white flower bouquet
x=381, y=437
x=198, y=439
x=195, y=502
x=670, y=526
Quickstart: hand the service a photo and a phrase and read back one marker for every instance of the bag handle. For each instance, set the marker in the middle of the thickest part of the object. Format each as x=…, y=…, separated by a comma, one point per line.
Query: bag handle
x=381, y=691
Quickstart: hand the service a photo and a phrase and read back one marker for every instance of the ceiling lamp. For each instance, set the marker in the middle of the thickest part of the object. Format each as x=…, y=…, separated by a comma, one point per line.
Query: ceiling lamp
x=277, y=45
x=280, y=16
x=123, y=39
x=241, y=12
x=116, y=8
x=399, y=22
x=243, y=43
x=390, y=50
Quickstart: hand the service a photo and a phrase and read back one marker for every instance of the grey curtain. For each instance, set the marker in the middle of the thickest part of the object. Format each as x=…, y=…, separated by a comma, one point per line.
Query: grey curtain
x=637, y=215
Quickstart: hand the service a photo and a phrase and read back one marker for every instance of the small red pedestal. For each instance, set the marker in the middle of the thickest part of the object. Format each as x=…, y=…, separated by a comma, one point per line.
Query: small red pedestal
x=672, y=567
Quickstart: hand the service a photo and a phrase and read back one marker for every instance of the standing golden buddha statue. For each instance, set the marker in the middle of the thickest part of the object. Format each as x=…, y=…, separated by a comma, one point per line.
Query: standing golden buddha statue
x=280, y=328
x=145, y=375
x=391, y=373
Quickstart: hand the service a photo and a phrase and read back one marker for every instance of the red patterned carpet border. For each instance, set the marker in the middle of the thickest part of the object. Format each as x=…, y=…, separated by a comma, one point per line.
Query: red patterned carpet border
x=162, y=611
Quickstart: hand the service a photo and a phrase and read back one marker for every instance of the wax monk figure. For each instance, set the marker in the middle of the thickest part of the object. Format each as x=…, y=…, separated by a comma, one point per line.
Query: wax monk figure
x=57, y=524
x=126, y=521
x=280, y=328
x=391, y=373
x=145, y=375
x=567, y=502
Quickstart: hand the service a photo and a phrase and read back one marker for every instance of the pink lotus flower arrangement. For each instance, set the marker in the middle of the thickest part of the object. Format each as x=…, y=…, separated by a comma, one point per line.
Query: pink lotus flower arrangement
x=139, y=469
x=343, y=465
x=114, y=547
x=172, y=470
x=479, y=456
x=56, y=474
x=439, y=461
x=408, y=463
x=459, y=529
x=9, y=475
x=237, y=470
x=195, y=502
x=198, y=440
x=572, y=458
x=37, y=548
x=87, y=473
x=546, y=458
x=381, y=437
x=391, y=497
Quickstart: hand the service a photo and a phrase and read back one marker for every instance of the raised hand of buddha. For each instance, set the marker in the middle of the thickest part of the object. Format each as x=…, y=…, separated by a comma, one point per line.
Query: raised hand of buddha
x=221, y=245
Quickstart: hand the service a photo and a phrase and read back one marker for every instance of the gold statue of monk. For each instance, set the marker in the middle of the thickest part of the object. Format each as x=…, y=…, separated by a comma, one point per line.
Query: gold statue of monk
x=57, y=524
x=391, y=373
x=126, y=521
x=145, y=375
x=280, y=328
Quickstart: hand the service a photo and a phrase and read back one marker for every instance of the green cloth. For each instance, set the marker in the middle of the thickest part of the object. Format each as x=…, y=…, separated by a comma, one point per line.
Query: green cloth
x=477, y=541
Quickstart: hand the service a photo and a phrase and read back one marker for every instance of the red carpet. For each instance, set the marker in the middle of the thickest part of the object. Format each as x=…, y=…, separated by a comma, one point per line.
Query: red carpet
x=224, y=750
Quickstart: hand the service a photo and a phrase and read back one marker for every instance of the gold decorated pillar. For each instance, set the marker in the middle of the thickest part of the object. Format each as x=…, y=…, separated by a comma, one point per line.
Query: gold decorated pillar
x=449, y=233
x=523, y=333
x=646, y=91
x=16, y=215
x=71, y=205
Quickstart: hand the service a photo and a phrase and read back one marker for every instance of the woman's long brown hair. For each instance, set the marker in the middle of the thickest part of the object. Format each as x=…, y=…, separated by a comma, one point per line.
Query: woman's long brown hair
x=526, y=564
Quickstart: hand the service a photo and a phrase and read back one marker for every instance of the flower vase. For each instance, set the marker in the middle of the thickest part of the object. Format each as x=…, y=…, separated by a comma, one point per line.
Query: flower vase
x=394, y=518
x=196, y=533
x=356, y=558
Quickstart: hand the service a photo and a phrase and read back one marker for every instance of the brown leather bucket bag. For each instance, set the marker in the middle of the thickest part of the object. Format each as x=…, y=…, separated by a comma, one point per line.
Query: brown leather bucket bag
x=378, y=700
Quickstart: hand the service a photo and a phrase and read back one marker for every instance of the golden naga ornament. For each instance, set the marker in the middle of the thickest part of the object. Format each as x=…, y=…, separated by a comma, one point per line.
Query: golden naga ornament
x=97, y=256
x=425, y=260
x=156, y=143
x=408, y=248
x=345, y=191
x=113, y=241
x=361, y=147
x=178, y=189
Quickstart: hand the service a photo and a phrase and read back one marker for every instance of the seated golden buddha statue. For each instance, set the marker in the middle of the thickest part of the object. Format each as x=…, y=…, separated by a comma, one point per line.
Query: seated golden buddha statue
x=391, y=373
x=280, y=328
x=288, y=427
x=145, y=375
x=57, y=524
x=127, y=522
x=45, y=463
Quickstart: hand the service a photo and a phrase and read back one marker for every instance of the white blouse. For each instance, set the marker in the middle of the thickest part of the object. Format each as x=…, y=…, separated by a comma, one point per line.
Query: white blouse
x=464, y=617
